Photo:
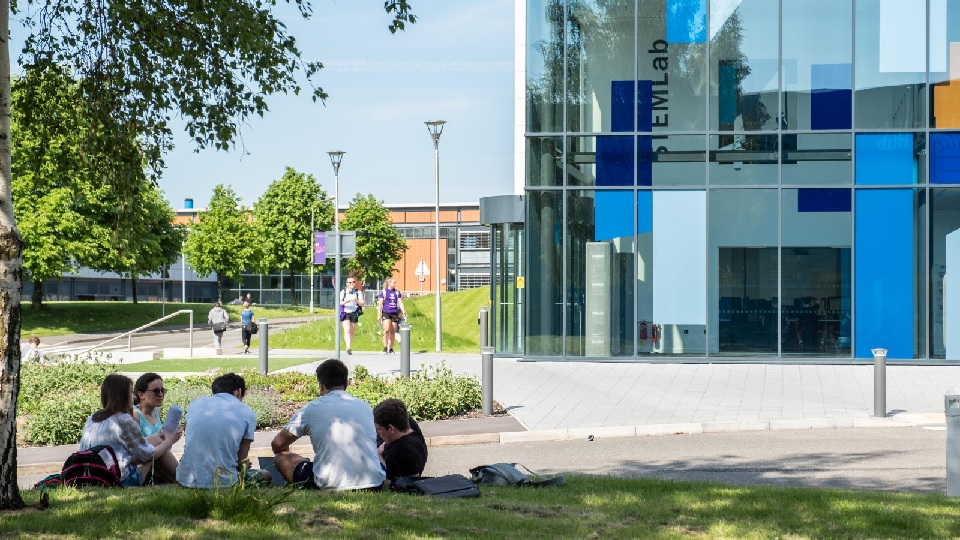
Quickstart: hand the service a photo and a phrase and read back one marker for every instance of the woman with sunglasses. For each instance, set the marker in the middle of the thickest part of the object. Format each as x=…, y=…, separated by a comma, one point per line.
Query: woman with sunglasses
x=114, y=426
x=150, y=393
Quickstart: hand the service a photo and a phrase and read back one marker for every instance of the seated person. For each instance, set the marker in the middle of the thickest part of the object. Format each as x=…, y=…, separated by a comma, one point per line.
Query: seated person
x=30, y=351
x=341, y=431
x=114, y=426
x=404, y=450
x=150, y=393
x=220, y=430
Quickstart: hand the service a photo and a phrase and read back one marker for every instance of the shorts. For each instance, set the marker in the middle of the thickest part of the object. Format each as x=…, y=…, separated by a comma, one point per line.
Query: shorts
x=352, y=317
x=395, y=317
x=133, y=478
x=303, y=475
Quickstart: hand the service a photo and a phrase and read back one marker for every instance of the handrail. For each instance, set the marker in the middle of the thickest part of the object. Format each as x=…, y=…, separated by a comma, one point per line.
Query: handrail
x=129, y=334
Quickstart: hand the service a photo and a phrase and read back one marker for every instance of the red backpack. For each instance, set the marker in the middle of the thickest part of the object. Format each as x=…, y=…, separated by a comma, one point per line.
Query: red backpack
x=96, y=466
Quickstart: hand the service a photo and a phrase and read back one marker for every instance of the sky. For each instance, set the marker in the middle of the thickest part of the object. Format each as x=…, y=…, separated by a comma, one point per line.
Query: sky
x=454, y=64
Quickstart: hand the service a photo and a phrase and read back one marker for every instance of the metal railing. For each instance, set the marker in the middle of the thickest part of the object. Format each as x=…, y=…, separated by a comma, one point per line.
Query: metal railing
x=129, y=334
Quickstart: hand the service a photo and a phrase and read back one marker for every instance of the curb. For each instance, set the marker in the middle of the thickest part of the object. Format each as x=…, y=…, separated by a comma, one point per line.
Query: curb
x=614, y=432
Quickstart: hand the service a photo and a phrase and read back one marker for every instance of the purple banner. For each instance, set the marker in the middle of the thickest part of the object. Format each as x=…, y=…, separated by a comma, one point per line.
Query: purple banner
x=319, y=248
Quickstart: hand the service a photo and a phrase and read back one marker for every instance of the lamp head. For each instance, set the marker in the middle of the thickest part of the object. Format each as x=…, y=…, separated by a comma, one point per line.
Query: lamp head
x=435, y=127
x=336, y=157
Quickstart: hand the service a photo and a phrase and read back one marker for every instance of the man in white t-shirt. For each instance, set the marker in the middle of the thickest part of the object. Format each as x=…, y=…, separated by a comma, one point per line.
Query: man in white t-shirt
x=219, y=432
x=343, y=436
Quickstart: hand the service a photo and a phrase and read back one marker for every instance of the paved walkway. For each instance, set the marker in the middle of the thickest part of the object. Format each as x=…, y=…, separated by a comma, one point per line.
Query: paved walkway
x=571, y=400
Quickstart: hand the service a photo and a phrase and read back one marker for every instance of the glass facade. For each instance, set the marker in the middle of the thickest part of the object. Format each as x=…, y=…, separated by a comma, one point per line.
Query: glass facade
x=741, y=179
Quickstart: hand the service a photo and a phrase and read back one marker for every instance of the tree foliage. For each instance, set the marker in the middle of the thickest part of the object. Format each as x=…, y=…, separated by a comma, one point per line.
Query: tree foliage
x=379, y=243
x=222, y=240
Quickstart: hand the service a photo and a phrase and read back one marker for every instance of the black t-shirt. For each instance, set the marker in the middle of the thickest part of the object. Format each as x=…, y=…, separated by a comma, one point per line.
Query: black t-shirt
x=407, y=456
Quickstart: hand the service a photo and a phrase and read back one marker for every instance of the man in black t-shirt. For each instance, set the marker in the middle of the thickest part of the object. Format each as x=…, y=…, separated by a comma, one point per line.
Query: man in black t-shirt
x=404, y=450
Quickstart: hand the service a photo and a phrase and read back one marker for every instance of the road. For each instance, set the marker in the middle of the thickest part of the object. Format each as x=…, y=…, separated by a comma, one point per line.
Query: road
x=876, y=459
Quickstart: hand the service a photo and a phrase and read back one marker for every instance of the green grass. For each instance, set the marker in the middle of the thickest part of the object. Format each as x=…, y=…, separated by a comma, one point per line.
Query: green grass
x=223, y=363
x=461, y=334
x=60, y=318
x=584, y=508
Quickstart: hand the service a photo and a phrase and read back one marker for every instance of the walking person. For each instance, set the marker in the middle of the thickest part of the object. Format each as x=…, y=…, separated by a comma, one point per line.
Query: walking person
x=351, y=306
x=218, y=323
x=246, y=320
x=389, y=312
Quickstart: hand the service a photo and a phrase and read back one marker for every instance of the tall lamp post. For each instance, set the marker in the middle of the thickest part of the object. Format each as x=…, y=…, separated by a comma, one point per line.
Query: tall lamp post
x=435, y=127
x=335, y=158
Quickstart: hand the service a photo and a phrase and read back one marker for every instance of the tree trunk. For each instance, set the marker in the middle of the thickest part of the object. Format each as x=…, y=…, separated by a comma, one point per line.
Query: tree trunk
x=133, y=285
x=293, y=290
x=11, y=282
x=220, y=287
x=37, y=298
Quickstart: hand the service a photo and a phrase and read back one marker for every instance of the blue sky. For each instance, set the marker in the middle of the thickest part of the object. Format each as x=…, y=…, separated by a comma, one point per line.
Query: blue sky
x=455, y=64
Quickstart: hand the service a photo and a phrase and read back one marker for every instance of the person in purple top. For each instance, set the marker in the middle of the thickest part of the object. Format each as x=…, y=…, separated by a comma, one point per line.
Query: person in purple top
x=389, y=312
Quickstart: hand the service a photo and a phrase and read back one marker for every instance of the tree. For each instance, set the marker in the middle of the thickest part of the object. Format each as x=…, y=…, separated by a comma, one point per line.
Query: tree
x=153, y=242
x=282, y=216
x=222, y=240
x=213, y=63
x=379, y=244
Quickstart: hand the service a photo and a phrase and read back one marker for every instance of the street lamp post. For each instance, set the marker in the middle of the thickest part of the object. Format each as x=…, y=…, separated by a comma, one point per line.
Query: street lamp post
x=435, y=127
x=335, y=158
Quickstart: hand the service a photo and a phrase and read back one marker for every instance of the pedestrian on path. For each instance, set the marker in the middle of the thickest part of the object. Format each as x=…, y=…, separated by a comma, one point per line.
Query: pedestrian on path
x=389, y=312
x=246, y=322
x=218, y=318
x=351, y=306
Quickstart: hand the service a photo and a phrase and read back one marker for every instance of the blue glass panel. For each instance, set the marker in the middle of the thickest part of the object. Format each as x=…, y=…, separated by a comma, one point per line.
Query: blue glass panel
x=823, y=200
x=885, y=158
x=686, y=21
x=884, y=280
x=613, y=215
x=615, y=160
x=831, y=98
x=644, y=212
x=728, y=95
x=621, y=106
x=644, y=105
x=645, y=160
x=945, y=158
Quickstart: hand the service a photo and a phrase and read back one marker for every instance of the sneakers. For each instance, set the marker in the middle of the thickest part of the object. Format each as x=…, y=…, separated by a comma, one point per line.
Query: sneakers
x=391, y=351
x=384, y=350
x=349, y=350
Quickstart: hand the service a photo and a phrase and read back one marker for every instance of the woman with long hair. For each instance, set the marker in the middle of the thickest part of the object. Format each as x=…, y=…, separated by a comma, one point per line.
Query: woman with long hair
x=114, y=426
x=150, y=393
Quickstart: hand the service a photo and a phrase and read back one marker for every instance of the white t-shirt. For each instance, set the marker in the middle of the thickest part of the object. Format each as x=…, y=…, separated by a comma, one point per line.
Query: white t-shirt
x=344, y=441
x=215, y=427
x=350, y=300
x=122, y=433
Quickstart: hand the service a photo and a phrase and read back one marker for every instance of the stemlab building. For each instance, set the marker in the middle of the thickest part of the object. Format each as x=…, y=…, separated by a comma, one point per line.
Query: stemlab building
x=727, y=180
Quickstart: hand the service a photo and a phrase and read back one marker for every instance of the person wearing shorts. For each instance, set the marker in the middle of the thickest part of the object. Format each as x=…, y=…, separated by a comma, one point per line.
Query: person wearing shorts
x=390, y=310
x=351, y=300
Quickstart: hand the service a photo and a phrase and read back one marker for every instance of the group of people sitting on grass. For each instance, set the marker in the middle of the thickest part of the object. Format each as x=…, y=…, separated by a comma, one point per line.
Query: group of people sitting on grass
x=355, y=447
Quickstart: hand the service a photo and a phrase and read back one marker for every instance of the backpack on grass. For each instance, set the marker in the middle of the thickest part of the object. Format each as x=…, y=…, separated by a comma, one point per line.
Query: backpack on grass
x=96, y=466
x=451, y=485
x=507, y=474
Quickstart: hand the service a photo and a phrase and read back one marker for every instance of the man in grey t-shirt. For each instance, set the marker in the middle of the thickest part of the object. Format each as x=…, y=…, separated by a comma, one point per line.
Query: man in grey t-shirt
x=343, y=436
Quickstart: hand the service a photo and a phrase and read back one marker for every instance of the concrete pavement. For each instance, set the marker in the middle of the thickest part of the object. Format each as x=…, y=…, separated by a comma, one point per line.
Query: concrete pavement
x=552, y=401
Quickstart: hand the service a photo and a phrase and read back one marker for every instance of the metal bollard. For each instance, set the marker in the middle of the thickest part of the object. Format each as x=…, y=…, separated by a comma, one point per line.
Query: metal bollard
x=879, y=382
x=951, y=409
x=482, y=321
x=264, y=334
x=487, y=380
x=405, y=350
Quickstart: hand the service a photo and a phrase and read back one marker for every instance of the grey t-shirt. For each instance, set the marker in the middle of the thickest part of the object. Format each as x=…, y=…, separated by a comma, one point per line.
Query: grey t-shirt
x=215, y=427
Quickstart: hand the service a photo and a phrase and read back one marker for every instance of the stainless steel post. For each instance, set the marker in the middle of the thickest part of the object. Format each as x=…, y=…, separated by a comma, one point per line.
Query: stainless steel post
x=951, y=409
x=405, y=350
x=879, y=382
x=483, y=327
x=264, y=334
x=487, y=380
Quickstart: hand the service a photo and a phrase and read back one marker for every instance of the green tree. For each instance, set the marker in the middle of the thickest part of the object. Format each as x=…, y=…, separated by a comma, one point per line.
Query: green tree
x=379, y=243
x=153, y=242
x=282, y=216
x=213, y=63
x=222, y=240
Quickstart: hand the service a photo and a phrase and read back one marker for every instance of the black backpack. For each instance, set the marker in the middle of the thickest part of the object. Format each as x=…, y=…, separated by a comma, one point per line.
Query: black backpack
x=96, y=466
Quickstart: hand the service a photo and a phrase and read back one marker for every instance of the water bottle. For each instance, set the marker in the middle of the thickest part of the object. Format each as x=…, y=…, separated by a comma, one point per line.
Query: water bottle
x=174, y=414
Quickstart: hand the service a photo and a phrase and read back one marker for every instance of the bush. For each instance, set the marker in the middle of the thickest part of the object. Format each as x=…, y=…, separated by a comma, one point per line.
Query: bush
x=40, y=383
x=60, y=421
x=428, y=395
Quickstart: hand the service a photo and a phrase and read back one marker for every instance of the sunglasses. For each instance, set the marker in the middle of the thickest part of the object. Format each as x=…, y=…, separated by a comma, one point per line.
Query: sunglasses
x=157, y=391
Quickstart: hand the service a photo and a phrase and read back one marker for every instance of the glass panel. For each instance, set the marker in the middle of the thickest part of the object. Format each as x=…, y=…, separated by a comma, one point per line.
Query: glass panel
x=671, y=272
x=544, y=85
x=671, y=160
x=945, y=286
x=544, y=161
x=945, y=158
x=744, y=69
x=816, y=158
x=890, y=158
x=508, y=297
x=817, y=68
x=600, y=68
x=543, y=291
x=606, y=160
x=945, y=64
x=889, y=277
x=815, y=311
x=890, y=64
x=743, y=160
x=743, y=271
x=671, y=61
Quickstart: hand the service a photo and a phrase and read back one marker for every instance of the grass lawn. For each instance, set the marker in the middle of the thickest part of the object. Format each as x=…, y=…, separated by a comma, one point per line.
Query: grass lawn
x=59, y=318
x=232, y=363
x=461, y=334
x=587, y=507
